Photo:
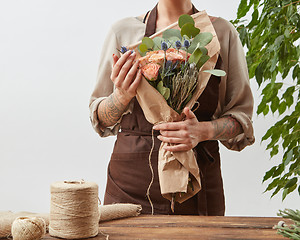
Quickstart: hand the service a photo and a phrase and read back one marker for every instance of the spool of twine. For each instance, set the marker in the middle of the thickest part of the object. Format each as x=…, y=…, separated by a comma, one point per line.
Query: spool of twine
x=28, y=228
x=74, y=210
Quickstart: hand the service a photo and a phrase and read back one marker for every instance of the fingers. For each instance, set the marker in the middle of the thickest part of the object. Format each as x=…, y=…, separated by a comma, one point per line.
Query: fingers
x=175, y=134
x=126, y=75
x=188, y=113
x=177, y=148
x=119, y=64
x=115, y=59
x=169, y=126
x=136, y=81
x=126, y=67
x=172, y=139
x=129, y=78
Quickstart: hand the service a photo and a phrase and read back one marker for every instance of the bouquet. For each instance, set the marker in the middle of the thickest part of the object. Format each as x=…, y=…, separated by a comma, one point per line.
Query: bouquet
x=176, y=64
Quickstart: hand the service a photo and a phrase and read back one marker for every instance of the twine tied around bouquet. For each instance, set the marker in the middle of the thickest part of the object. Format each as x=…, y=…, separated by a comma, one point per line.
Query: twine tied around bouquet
x=151, y=168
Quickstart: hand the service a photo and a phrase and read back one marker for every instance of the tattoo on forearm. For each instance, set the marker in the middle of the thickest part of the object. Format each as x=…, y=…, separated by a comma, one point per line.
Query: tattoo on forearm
x=110, y=110
x=226, y=128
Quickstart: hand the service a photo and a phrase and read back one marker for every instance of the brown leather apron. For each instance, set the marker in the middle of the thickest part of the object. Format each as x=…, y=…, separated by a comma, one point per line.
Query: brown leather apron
x=129, y=174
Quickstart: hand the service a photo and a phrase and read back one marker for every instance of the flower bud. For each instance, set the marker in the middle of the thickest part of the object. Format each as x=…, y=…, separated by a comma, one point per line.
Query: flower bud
x=123, y=50
x=164, y=46
x=178, y=44
x=186, y=43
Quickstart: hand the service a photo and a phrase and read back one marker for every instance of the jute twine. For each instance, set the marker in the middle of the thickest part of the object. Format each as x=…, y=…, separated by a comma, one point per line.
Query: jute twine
x=74, y=210
x=28, y=228
x=8, y=217
x=119, y=210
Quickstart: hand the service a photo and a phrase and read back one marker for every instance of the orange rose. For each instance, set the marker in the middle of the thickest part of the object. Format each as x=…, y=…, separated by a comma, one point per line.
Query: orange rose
x=150, y=71
x=172, y=56
x=154, y=52
x=143, y=61
x=157, y=58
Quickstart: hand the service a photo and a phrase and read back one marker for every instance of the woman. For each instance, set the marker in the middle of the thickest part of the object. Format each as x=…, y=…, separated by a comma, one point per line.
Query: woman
x=224, y=114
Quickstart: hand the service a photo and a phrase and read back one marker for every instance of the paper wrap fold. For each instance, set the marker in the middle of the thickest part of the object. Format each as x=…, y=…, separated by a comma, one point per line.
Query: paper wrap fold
x=175, y=168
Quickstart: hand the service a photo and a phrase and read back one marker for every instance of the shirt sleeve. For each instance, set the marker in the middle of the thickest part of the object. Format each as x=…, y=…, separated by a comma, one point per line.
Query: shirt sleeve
x=236, y=99
x=104, y=86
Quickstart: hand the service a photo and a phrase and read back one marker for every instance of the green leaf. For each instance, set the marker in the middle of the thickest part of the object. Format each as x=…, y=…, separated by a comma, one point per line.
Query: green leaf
x=289, y=100
x=254, y=20
x=275, y=104
x=157, y=42
x=269, y=173
x=267, y=135
x=203, y=38
x=287, y=33
x=279, y=40
x=171, y=33
x=266, y=110
x=189, y=30
x=291, y=182
x=274, y=62
x=165, y=92
x=278, y=170
x=185, y=18
x=143, y=48
x=273, y=184
x=296, y=71
x=274, y=151
x=292, y=188
x=243, y=35
x=278, y=188
x=203, y=50
x=242, y=9
x=261, y=107
x=195, y=57
x=282, y=107
x=284, y=194
x=299, y=190
x=148, y=42
x=259, y=74
x=289, y=157
x=216, y=72
x=202, y=61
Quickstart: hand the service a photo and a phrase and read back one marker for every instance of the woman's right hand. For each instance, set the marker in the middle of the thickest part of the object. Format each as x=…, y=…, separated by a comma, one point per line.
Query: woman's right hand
x=126, y=76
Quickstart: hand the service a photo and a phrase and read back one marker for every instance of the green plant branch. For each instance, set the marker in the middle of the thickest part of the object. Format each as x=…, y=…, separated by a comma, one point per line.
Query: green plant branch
x=290, y=4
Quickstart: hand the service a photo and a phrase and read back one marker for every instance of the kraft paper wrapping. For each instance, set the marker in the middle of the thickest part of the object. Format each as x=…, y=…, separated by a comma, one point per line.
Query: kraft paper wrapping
x=174, y=168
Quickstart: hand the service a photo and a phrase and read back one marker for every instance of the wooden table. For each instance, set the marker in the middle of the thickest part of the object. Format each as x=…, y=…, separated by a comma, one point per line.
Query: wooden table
x=188, y=227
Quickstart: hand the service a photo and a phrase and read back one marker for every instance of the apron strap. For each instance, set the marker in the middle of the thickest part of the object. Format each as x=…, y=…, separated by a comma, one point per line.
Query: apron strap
x=151, y=23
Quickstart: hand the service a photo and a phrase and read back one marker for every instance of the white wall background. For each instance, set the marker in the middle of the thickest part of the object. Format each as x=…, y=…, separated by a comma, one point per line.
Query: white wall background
x=49, y=53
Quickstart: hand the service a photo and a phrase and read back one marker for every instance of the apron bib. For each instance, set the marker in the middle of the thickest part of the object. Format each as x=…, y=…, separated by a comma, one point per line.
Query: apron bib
x=129, y=175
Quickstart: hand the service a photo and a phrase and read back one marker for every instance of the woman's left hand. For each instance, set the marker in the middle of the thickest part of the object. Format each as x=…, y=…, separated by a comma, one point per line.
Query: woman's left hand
x=183, y=135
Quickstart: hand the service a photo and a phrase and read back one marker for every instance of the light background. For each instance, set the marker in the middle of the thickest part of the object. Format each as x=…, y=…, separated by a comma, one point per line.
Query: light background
x=49, y=54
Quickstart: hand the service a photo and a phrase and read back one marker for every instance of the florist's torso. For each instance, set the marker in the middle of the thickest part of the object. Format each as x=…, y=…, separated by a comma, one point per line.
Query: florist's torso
x=129, y=174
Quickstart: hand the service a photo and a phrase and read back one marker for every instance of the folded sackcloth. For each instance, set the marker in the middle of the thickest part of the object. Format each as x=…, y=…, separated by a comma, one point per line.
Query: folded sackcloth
x=118, y=210
x=106, y=212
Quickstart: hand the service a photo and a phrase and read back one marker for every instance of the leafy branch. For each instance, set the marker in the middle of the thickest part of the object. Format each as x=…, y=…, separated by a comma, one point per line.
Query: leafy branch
x=272, y=40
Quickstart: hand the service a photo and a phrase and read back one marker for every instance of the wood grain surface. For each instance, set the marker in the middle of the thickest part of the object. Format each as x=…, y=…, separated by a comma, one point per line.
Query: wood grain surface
x=188, y=227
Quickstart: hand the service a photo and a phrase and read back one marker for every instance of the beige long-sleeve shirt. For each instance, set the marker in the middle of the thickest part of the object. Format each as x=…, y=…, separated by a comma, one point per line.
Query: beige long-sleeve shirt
x=235, y=97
